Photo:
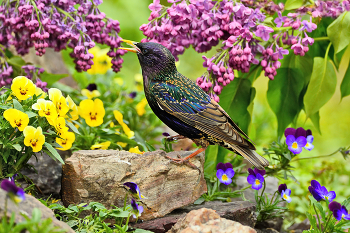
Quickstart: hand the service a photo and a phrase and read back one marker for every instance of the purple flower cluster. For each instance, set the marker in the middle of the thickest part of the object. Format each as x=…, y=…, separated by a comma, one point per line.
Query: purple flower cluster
x=32, y=71
x=245, y=39
x=299, y=138
x=59, y=24
x=339, y=211
x=5, y=71
x=327, y=8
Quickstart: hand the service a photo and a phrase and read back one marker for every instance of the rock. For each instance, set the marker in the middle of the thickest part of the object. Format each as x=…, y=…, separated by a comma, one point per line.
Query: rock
x=26, y=207
x=240, y=211
x=207, y=220
x=267, y=230
x=48, y=176
x=99, y=176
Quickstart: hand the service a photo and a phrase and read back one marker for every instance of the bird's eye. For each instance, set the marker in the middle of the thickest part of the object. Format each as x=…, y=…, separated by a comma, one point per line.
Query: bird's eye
x=145, y=51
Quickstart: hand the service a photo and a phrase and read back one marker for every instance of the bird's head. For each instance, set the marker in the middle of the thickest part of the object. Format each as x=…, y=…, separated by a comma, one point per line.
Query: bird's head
x=155, y=59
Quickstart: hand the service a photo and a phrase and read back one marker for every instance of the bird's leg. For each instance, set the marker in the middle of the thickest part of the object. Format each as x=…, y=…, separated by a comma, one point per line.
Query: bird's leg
x=174, y=138
x=186, y=159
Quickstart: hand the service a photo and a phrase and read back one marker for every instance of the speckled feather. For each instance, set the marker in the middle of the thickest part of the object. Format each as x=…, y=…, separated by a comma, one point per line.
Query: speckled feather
x=186, y=108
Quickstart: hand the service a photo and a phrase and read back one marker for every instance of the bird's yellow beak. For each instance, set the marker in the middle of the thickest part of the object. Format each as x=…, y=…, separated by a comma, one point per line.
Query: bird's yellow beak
x=135, y=49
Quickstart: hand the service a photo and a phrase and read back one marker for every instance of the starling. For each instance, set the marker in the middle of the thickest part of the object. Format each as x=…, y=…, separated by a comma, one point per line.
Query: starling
x=188, y=110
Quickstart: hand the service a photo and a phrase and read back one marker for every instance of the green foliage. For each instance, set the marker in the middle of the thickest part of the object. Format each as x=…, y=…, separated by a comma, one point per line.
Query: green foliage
x=35, y=224
x=345, y=84
x=339, y=31
x=293, y=4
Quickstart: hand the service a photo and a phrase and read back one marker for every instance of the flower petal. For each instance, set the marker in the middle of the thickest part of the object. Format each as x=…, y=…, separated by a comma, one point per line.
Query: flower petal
x=289, y=131
x=219, y=174
x=310, y=138
x=261, y=172
x=300, y=132
x=301, y=141
x=290, y=139
x=230, y=172
x=337, y=214
x=315, y=184
x=288, y=192
x=221, y=166
x=228, y=165
x=334, y=206
x=295, y=150
x=251, y=179
x=251, y=172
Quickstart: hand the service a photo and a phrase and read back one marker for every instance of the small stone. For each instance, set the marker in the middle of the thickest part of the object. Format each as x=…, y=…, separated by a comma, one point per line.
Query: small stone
x=26, y=207
x=207, y=220
x=99, y=176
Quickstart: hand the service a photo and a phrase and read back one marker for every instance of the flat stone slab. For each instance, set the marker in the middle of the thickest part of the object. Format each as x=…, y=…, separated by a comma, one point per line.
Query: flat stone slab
x=239, y=211
x=99, y=176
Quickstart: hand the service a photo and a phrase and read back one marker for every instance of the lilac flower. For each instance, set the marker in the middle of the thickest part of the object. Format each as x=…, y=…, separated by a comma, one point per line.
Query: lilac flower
x=339, y=211
x=263, y=32
x=256, y=178
x=309, y=26
x=320, y=192
x=225, y=173
x=134, y=190
x=280, y=19
x=136, y=209
x=15, y=193
x=285, y=195
x=155, y=6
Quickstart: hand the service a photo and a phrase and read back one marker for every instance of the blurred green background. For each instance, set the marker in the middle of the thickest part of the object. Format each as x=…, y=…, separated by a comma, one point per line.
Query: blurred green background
x=332, y=172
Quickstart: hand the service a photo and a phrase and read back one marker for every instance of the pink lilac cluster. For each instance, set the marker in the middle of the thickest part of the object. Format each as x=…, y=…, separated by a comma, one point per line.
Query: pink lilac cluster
x=5, y=71
x=326, y=8
x=59, y=24
x=245, y=39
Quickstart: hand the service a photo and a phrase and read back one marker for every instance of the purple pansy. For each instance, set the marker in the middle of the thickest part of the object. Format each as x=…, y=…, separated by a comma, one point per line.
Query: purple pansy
x=256, y=178
x=296, y=139
x=225, y=173
x=136, y=209
x=339, y=211
x=15, y=193
x=282, y=187
x=285, y=194
x=134, y=189
x=320, y=192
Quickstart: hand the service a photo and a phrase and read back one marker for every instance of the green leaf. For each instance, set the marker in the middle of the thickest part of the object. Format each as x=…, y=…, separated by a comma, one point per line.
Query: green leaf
x=17, y=147
x=321, y=87
x=72, y=223
x=235, y=99
x=16, y=61
x=31, y=114
x=17, y=105
x=293, y=4
x=345, y=84
x=72, y=127
x=315, y=118
x=120, y=214
x=283, y=96
x=339, y=31
x=199, y=201
x=51, y=78
x=142, y=231
x=54, y=154
x=211, y=154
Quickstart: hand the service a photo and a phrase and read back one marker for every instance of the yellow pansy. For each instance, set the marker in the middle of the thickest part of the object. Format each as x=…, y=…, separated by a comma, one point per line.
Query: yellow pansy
x=90, y=94
x=55, y=95
x=66, y=140
x=39, y=91
x=119, y=117
x=140, y=107
x=136, y=150
x=47, y=109
x=34, y=138
x=102, y=62
x=122, y=144
x=16, y=118
x=92, y=111
x=101, y=146
x=73, y=109
x=60, y=125
x=23, y=88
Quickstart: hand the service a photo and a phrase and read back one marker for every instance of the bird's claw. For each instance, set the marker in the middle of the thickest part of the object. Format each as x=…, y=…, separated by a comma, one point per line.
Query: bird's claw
x=180, y=160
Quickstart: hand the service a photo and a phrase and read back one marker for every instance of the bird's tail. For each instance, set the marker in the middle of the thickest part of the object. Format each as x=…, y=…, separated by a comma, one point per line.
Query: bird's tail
x=254, y=158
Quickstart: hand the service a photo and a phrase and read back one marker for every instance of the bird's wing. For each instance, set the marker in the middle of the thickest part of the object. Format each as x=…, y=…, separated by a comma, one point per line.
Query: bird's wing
x=190, y=104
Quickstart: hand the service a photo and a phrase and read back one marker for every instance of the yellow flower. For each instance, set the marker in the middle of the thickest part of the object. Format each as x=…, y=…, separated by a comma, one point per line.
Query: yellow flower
x=47, y=109
x=136, y=150
x=119, y=117
x=39, y=91
x=23, y=88
x=34, y=138
x=66, y=140
x=73, y=109
x=140, y=107
x=90, y=94
x=102, y=62
x=122, y=144
x=60, y=124
x=16, y=118
x=92, y=111
x=101, y=146
x=55, y=95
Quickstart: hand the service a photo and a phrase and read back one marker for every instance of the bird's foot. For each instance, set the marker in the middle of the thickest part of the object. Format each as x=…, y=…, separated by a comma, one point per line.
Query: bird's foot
x=175, y=137
x=181, y=160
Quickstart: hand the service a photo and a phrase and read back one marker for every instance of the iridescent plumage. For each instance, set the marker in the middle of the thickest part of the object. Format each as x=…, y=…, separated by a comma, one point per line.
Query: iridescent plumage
x=186, y=108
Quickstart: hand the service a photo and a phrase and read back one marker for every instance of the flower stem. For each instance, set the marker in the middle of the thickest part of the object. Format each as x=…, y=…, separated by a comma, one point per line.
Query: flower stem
x=318, y=217
x=316, y=157
x=325, y=227
x=125, y=199
x=321, y=38
x=281, y=28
